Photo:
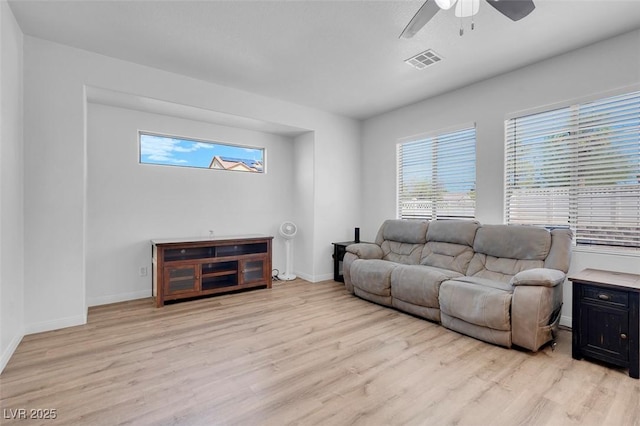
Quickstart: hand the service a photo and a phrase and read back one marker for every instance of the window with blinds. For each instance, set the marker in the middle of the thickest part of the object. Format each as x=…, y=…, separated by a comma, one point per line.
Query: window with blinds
x=437, y=176
x=578, y=167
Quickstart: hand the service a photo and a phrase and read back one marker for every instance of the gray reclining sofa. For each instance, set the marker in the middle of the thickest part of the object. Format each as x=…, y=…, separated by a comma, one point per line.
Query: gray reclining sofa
x=498, y=283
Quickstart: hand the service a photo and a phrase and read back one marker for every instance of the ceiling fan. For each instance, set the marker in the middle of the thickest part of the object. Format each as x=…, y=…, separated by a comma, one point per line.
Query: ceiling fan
x=512, y=9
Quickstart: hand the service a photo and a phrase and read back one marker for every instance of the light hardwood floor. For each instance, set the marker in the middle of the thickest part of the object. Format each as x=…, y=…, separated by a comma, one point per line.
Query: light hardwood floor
x=300, y=353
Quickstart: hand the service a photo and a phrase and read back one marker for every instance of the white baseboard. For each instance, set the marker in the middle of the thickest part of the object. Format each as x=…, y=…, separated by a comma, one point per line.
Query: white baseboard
x=115, y=298
x=13, y=345
x=565, y=321
x=304, y=276
x=81, y=319
x=323, y=277
x=40, y=327
x=314, y=278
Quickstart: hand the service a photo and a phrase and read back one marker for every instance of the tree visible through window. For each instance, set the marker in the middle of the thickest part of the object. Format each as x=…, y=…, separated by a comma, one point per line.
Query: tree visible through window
x=173, y=151
x=437, y=176
x=578, y=167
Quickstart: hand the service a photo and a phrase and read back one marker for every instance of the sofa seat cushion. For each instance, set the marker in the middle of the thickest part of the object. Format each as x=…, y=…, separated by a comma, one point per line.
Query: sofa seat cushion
x=373, y=276
x=477, y=304
x=485, y=282
x=419, y=285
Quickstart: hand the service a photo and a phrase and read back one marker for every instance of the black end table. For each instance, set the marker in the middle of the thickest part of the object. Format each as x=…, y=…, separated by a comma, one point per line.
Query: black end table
x=339, y=249
x=605, y=318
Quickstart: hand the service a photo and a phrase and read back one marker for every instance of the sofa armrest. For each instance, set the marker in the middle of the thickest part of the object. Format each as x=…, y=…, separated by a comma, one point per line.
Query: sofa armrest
x=540, y=277
x=535, y=313
x=365, y=250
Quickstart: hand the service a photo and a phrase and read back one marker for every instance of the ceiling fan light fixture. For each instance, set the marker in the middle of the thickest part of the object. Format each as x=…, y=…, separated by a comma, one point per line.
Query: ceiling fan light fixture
x=467, y=8
x=445, y=4
x=512, y=9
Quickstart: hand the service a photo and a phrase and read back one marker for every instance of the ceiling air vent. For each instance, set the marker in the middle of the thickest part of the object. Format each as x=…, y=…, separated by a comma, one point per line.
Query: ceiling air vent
x=424, y=59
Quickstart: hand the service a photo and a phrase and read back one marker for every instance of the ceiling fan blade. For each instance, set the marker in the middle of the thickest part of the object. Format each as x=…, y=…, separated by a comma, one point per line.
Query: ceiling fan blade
x=513, y=9
x=419, y=20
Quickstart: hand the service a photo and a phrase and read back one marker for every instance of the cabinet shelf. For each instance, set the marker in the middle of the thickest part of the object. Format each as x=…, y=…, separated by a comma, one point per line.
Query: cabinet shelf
x=219, y=274
x=227, y=281
x=188, y=268
x=178, y=279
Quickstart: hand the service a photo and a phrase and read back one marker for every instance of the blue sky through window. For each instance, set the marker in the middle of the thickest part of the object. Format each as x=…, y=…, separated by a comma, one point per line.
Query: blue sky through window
x=172, y=151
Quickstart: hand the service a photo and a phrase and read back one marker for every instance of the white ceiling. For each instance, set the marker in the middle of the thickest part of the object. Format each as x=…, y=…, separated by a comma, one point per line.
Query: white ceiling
x=340, y=56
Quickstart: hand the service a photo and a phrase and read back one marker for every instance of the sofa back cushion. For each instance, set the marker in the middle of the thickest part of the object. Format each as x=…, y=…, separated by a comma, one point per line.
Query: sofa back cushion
x=453, y=231
x=449, y=244
x=501, y=251
x=560, y=253
x=402, y=240
x=403, y=231
x=513, y=241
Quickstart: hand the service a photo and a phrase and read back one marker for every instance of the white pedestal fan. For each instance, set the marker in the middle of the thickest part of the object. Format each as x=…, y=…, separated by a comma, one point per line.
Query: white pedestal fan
x=288, y=231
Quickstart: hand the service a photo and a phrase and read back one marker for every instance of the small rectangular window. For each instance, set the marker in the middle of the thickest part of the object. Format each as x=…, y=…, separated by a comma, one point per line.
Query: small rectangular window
x=437, y=176
x=174, y=151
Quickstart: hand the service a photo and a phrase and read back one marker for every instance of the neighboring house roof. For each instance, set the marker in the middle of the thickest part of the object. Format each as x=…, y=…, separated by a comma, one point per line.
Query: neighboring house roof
x=237, y=164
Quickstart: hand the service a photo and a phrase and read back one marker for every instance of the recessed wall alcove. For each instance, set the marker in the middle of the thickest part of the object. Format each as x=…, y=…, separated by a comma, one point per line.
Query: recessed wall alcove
x=128, y=203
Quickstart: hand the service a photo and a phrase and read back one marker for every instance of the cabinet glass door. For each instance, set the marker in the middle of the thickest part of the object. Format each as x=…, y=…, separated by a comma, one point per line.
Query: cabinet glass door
x=181, y=279
x=253, y=270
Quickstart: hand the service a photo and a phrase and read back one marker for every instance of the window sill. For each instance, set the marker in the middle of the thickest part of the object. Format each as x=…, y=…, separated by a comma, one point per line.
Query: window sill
x=612, y=251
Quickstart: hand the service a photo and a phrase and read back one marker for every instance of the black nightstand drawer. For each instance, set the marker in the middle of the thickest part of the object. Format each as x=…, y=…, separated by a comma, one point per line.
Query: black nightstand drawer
x=606, y=296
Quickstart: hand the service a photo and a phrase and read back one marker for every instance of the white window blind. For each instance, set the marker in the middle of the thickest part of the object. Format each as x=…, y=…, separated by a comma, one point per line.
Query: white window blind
x=437, y=176
x=578, y=167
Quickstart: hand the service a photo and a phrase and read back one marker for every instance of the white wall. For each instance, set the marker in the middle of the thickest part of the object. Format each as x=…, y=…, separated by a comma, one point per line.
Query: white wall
x=304, y=206
x=606, y=66
x=337, y=192
x=11, y=186
x=56, y=166
x=128, y=203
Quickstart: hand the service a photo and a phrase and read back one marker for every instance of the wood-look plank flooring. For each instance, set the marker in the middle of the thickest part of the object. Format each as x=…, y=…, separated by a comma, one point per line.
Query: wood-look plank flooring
x=299, y=353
